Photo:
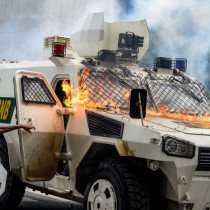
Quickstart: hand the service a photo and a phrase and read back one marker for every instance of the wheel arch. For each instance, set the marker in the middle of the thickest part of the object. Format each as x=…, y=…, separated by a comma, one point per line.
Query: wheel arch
x=99, y=152
x=91, y=161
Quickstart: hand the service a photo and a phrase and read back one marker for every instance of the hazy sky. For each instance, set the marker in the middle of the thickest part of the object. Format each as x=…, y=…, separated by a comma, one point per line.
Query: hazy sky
x=179, y=28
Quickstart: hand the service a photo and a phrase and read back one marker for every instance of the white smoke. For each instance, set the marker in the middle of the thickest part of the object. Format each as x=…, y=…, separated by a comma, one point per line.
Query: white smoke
x=178, y=28
x=25, y=23
x=181, y=29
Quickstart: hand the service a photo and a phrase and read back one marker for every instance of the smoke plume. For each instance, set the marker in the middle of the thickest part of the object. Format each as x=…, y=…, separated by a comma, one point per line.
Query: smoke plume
x=178, y=29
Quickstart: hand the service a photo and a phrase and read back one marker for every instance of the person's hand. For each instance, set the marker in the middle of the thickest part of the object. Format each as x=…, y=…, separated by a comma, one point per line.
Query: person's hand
x=27, y=127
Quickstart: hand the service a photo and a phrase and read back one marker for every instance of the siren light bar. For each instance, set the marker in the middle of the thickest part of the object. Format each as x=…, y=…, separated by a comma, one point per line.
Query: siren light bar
x=168, y=63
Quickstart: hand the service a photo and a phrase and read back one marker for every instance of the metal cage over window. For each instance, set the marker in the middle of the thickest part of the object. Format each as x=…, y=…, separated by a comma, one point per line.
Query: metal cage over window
x=34, y=90
x=111, y=88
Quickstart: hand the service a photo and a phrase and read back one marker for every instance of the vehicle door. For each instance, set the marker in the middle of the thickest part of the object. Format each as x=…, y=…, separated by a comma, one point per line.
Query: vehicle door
x=37, y=104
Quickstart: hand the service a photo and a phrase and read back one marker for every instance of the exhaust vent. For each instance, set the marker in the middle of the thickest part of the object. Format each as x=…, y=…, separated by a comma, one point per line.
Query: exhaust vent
x=203, y=159
x=103, y=126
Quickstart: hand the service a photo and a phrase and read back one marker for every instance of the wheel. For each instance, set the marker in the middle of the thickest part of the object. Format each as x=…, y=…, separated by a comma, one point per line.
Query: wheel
x=116, y=187
x=15, y=189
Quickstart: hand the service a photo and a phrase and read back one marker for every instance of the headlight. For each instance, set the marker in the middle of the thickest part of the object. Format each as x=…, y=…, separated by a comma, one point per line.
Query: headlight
x=177, y=147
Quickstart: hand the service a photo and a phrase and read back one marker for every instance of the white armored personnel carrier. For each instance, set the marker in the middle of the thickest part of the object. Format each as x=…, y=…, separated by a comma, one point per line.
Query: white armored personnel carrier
x=109, y=134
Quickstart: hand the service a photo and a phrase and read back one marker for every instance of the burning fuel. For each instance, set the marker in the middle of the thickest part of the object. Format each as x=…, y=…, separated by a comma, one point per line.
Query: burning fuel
x=66, y=87
x=188, y=118
x=73, y=96
x=80, y=96
x=170, y=97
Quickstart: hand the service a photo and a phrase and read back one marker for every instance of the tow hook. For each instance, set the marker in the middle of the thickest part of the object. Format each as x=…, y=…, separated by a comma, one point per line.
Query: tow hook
x=153, y=165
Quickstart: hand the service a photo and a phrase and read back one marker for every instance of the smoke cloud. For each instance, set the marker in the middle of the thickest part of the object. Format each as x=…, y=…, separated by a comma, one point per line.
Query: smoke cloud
x=25, y=23
x=177, y=29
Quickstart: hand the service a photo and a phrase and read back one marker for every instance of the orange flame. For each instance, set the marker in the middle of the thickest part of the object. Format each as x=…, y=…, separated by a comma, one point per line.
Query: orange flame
x=66, y=87
x=185, y=116
x=77, y=96
x=73, y=96
x=81, y=96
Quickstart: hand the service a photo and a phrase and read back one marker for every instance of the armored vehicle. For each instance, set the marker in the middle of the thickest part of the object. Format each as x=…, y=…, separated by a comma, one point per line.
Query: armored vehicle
x=109, y=134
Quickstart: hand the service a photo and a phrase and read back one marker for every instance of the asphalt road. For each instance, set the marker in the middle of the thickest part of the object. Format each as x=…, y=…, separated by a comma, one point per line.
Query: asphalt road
x=37, y=201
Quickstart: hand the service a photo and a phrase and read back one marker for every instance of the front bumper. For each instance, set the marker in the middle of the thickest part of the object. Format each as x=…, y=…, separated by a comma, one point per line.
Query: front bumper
x=199, y=192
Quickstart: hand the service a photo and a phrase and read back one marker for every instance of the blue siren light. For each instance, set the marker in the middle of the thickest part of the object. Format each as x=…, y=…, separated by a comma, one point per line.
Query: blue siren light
x=168, y=63
x=181, y=64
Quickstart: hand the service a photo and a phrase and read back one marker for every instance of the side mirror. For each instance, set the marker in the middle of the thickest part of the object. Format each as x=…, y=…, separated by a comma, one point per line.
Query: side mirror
x=138, y=103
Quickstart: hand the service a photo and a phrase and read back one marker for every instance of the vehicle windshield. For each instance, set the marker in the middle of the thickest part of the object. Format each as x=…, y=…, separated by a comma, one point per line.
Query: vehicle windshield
x=110, y=88
x=176, y=94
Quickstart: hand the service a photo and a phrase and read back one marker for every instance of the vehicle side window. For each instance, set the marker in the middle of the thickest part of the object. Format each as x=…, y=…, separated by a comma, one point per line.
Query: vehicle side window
x=34, y=90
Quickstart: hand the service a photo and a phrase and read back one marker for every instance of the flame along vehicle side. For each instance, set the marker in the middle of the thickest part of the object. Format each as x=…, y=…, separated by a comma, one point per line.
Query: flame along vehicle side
x=108, y=133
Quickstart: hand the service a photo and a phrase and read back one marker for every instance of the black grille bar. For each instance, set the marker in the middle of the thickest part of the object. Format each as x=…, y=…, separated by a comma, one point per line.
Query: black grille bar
x=203, y=159
x=100, y=125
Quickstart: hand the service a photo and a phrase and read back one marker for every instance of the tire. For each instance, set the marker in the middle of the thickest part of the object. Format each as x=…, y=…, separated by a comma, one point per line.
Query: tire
x=14, y=189
x=116, y=187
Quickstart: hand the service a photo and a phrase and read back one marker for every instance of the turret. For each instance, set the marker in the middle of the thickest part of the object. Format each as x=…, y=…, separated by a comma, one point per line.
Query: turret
x=111, y=42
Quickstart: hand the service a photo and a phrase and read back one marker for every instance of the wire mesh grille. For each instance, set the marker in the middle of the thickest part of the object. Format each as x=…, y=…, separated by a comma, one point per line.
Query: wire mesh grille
x=108, y=87
x=177, y=94
x=111, y=88
x=34, y=90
